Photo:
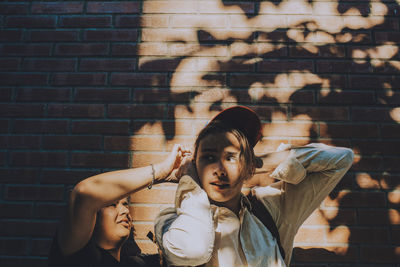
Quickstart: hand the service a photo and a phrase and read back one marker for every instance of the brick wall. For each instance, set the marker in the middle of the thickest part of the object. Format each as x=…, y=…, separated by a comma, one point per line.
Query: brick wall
x=93, y=86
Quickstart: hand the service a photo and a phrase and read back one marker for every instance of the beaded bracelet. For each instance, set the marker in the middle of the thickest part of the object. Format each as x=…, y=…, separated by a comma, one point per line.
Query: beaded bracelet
x=153, y=172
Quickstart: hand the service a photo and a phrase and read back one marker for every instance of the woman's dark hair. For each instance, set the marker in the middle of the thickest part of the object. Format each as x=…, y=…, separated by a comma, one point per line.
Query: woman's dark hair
x=247, y=158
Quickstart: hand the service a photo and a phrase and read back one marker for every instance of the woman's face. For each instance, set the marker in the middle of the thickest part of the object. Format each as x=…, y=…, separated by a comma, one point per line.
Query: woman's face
x=114, y=222
x=218, y=167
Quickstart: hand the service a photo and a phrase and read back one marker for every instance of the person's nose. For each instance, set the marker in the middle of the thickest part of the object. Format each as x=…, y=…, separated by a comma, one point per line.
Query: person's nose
x=123, y=209
x=220, y=170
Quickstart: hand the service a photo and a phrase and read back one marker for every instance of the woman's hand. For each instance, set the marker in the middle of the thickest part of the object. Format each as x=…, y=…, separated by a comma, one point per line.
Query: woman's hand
x=169, y=167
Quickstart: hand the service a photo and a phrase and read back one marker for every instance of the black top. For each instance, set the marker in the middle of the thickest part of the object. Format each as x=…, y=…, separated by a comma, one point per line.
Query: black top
x=93, y=256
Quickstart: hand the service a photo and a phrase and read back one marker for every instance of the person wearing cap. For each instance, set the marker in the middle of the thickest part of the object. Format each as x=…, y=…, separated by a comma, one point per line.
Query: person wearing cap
x=97, y=224
x=213, y=223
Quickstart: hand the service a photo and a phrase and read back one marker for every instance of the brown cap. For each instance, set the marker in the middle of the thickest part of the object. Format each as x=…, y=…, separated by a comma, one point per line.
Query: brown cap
x=244, y=119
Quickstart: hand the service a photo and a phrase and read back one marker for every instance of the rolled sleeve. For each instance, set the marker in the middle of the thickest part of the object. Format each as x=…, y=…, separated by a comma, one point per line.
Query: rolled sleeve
x=186, y=234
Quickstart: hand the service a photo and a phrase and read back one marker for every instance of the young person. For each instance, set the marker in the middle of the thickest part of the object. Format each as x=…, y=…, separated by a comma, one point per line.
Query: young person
x=97, y=225
x=213, y=222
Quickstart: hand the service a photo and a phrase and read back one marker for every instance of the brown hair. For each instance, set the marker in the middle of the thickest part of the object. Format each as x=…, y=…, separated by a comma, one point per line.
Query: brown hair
x=247, y=158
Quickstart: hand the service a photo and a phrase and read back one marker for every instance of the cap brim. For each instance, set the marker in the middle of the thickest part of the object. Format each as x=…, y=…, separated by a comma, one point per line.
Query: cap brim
x=244, y=119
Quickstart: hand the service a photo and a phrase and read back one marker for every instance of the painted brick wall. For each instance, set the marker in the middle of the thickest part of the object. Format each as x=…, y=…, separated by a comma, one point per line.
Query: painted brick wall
x=93, y=86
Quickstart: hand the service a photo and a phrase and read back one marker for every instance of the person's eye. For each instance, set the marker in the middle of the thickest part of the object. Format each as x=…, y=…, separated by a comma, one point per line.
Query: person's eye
x=208, y=157
x=112, y=205
x=231, y=158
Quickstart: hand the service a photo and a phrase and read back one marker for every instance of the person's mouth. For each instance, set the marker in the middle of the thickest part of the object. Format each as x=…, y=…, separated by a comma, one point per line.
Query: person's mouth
x=125, y=222
x=218, y=185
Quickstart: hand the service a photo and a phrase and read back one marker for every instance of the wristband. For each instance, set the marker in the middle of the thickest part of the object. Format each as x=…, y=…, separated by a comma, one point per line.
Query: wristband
x=153, y=172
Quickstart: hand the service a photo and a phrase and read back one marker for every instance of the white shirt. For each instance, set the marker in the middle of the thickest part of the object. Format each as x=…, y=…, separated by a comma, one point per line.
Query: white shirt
x=196, y=232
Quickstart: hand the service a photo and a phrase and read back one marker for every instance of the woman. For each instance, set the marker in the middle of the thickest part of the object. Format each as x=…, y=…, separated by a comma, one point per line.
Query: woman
x=97, y=224
x=214, y=224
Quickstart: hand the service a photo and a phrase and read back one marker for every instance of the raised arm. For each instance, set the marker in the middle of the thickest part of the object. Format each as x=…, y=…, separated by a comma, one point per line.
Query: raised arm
x=95, y=192
x=307, y=175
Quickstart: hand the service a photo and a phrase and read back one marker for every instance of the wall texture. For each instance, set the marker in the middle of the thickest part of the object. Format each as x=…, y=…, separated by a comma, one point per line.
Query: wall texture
x=93, y=86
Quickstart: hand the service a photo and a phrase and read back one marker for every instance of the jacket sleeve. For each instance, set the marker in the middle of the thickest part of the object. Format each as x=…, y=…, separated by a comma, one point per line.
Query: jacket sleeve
x=306, y=177
x=186, y=234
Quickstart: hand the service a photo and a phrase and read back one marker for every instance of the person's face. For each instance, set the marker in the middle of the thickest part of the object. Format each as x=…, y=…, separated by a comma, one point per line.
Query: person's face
x=219, y=168
x=114, y=221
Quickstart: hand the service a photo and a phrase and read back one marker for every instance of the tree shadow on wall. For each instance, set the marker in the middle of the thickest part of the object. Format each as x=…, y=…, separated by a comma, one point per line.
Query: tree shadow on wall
x=375, y=172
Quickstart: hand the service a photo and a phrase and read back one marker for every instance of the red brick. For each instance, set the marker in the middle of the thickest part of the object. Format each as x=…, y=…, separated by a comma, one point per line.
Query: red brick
x=41, y=247
x=128, y=21
x=391, y=164
x=57, y=7
x=326, y=254
x=328, y=51
x=113, y=7
x=21, y=110
x=4, y=126
x=13, y=247
x=347, y=97
x=10, y=35
x=72, y=142
x=19, y=175
x=376, y=147
x=358, y=199
x=107, y=64
x=140, y=213
x=111, y=35
x=138, y=79
x=65, y=79
x=9, y=64
x=395, y=235
x=371, y=82
x=389, y=98
x=136, y=111
x=26, y=49
x=49, y=64
x=27, y=228
x=130, y=49
x=290, y=129
x=49, y=193
x=332, y=217
x=76, y=110
x=14, y=8
x=156, y=195
x=81, y=49
x=20, y=142
x=100, y=160
x=164, y=64
x=31, y=22
x=38, y=159
x=50, y=211
x=168, y=128
x=25, y=261
x=140, y=159
x=102, y=95
x=122, y=143
x=169, y=7
x=67, y=176
x=371, y=114
x=40, y=126
x=387, y=37
x=382, y=254
x=377, y=217
x=368, y=235
x=85, y=21
x=6, y=94
x=285, y=66
x=353, y=130
x=321, y=113
x=390, y=130
x=15, y=211
x=29, y=79
x=100, y=127
x=53, y=36
x=43, y=95
x=161, y=95
x=367, y=163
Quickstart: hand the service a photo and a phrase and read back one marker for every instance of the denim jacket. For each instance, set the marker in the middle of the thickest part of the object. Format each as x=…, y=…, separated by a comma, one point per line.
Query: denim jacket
x=196, y=232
